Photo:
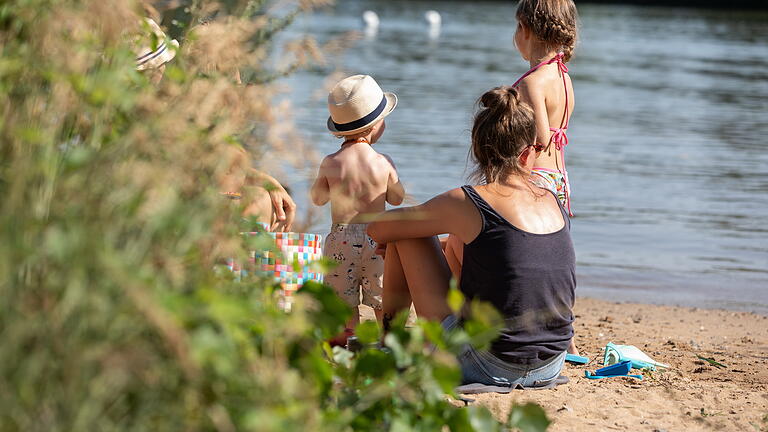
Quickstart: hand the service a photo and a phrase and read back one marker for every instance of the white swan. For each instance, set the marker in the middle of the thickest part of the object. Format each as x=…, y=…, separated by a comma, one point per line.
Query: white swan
x=371, y=21
x=434, y=20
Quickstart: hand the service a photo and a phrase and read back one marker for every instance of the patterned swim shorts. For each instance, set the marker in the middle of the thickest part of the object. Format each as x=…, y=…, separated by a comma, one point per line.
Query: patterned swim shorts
x=553, y=180
x=359, y=268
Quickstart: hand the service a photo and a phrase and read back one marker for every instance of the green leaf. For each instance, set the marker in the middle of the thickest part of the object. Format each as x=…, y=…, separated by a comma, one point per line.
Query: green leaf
x=402, y=357
x=175, y=73
x=434, y=332
x=320, y=369
x=458, y=421
x=484, y=325
x=712, y=361
x=485, y=313
x=447, y=376
x=323, y=265
x=482, y=420
x=375, y=363
x=331, y=312
x=528, y=418
x=455, y=300
x=367, y=332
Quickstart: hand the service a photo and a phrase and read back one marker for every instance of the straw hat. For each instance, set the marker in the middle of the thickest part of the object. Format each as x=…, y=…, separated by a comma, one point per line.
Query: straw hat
x=155, y=49
x=356, y=103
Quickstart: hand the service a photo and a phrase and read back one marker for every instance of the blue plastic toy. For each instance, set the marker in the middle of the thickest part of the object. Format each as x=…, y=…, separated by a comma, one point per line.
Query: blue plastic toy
x=573, y=358
x=615, y=370
x=640, y=360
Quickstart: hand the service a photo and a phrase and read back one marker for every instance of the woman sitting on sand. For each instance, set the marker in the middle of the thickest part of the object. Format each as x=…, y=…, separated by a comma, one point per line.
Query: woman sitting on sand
x=518, y=253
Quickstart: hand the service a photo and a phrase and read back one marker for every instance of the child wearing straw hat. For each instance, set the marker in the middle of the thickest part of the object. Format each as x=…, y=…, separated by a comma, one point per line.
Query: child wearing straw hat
x=358, y=181
x=154, y=50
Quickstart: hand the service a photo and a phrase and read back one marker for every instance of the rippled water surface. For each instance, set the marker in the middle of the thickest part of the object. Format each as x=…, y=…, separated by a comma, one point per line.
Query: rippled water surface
x=668, y=154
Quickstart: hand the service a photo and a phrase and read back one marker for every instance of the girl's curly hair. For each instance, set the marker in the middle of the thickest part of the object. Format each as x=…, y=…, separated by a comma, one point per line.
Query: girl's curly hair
x=555, y=22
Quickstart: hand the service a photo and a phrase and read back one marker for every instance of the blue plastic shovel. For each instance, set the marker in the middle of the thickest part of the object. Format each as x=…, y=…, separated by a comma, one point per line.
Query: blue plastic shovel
x=615, y=370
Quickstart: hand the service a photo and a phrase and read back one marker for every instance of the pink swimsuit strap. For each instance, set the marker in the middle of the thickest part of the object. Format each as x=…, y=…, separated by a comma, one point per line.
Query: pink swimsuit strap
x=558, y=137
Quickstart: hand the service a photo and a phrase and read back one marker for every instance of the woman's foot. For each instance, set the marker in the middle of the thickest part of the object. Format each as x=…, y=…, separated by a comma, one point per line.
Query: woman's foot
x=572, y=348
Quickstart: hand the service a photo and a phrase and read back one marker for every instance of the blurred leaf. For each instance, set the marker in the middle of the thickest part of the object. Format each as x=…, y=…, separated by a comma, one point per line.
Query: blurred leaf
x=342, y=356
x=482, y=420
x=486, y=314
x=175, y=73
x=447, y=376
x=331, y=313
x=367, y=332
x=375, y=363
x=398, y=350
x=528, y=418
x=455, y=300
x=324, y=265
x=458, y=421
x=434, y=332
x=484, y=325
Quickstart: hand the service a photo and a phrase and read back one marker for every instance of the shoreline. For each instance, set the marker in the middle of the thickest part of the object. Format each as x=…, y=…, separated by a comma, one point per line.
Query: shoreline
x=639, y=296
x=692, y=394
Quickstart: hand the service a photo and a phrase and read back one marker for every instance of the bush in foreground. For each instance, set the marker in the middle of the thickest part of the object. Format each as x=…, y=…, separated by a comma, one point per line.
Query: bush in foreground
x=114, y=311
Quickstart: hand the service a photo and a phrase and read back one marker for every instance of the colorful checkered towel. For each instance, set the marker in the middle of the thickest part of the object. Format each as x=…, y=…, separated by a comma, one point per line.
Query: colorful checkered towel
x=292, y=266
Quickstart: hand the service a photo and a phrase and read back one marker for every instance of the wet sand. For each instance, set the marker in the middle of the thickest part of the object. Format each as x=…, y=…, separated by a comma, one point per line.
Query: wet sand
x=691, y=395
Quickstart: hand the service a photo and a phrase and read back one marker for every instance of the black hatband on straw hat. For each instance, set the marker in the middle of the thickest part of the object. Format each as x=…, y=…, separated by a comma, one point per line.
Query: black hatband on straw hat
x=151, y=55
x=344, y=127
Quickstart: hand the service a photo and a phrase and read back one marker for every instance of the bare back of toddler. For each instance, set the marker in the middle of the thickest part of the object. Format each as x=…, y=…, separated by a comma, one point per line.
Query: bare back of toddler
x=358, y=182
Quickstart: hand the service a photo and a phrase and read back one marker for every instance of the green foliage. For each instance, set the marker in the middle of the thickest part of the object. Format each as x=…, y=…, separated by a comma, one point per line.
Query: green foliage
x=402, y=385
x=528, y=418
x=116, y=311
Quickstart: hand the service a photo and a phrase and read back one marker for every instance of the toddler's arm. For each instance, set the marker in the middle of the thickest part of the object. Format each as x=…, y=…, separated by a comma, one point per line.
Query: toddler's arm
x=395, y=189
x=321, y=191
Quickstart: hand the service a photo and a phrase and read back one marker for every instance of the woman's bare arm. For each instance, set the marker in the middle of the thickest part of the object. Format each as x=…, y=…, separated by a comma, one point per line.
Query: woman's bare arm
x=450, y=212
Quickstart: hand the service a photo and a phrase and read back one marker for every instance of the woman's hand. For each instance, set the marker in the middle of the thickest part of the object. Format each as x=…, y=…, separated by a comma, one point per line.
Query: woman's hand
x=283, y=206
x=381, y=249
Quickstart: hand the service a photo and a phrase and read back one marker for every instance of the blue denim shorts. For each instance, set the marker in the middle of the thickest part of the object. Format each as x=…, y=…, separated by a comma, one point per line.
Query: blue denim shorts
x=485, y=368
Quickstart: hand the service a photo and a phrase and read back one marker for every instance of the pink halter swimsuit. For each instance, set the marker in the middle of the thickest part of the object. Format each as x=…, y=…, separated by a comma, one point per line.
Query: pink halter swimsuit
x=558, y=138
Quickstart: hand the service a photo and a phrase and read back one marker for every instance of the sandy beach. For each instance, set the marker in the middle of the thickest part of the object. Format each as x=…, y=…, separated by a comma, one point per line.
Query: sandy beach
x=691, y=395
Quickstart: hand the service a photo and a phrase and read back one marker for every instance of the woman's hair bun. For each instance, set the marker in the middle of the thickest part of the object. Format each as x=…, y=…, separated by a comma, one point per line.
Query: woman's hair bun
x=504, y=97
x=504, y=126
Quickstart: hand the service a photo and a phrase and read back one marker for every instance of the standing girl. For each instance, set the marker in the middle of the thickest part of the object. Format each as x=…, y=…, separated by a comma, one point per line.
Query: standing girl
x=546, y=36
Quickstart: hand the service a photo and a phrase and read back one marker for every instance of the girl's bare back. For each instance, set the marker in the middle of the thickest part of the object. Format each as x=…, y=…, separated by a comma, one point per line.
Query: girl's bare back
x=543, y=90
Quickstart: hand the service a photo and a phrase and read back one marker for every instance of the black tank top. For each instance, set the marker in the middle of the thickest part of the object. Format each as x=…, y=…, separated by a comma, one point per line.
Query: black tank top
x=530, y=278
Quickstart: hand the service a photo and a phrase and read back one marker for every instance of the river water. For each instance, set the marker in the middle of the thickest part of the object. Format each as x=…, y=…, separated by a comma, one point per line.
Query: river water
x=668, y=153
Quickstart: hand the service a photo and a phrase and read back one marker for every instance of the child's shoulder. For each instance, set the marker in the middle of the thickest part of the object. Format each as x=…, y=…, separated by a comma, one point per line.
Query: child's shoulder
x=370, y=152
x=541, y=85
x=542, y=78
x=536, y=80
x=386, y=159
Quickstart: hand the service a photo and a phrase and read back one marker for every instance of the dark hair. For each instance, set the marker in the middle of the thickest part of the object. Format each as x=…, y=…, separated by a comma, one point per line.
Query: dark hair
x=554, y=22
x=504, y=126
